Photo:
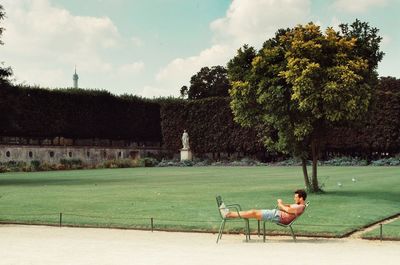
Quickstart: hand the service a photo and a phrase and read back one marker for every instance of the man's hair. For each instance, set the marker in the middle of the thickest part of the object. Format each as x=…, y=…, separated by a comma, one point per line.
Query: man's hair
x=301, y=194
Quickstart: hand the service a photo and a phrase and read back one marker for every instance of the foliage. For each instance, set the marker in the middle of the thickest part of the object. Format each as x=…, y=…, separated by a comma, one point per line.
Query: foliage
x=208, y=82
x=391, y=161
x=77, y=113
x=35, y=165
x=239, y=67
x=379, y=132
x=344, y=161
x=73, y=163
x=244, y=162
x=304, y=82
x=147, y=162
x=118, y=163
x=288, y=162
x=12, y=166
x=5, y=72
x=210, y=125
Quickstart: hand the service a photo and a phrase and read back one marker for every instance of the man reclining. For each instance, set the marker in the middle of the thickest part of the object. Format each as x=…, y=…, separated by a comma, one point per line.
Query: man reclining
x=285, y=213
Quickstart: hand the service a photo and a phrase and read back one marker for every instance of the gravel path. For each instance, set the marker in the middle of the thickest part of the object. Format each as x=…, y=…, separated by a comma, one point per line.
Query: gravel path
x=51, y=245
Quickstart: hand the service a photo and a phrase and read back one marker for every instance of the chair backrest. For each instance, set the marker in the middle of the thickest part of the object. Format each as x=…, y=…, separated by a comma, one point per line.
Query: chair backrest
x=305, y=208
x=297, y=217
x=219, y=202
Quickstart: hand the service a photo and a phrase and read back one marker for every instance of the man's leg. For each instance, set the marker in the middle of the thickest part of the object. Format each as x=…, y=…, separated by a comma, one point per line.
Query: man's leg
x=255, y=214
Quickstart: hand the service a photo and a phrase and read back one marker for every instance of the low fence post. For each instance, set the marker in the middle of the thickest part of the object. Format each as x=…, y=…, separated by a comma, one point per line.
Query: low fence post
x=60, y=219
x=152, y=224
x=381, y=232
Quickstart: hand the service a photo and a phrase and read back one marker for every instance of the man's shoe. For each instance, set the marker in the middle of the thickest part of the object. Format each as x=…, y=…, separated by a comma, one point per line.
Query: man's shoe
x=223, y=210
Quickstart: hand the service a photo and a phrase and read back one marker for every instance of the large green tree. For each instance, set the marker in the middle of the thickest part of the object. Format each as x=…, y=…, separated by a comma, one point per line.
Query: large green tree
x=304, y=82
x=5, y=72
x=208, y=82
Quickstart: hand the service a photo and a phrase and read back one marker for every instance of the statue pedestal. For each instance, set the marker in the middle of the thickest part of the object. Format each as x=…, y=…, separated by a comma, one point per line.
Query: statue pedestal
x=186, y=154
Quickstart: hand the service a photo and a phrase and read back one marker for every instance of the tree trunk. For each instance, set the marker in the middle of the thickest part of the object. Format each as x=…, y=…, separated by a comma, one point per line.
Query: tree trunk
x=315, y=152
x=305, y=174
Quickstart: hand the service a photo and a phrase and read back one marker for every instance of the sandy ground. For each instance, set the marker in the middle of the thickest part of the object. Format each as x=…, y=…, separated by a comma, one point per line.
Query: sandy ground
x=52, y=245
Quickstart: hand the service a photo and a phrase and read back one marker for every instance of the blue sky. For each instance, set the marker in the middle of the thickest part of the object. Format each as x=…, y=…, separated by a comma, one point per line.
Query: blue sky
x=152, y=48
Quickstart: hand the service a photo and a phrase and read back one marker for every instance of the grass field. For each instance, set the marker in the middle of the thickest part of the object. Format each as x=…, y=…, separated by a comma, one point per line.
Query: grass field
x=184, y=198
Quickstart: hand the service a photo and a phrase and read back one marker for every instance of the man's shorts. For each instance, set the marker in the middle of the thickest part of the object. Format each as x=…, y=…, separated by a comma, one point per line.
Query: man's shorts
x=270, y=215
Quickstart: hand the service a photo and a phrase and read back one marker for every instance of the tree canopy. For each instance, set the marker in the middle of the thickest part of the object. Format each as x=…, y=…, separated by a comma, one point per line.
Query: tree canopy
x=302, y=83
x=208, y=82
x=5, y=72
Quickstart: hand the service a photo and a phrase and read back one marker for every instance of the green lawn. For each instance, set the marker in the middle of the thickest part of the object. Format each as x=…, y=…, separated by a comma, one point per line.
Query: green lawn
x=184, y=198
x=389, y=231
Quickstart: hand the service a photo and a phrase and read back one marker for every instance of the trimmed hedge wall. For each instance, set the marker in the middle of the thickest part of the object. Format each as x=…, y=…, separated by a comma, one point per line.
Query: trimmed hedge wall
x=77, y=113
x=210, y=125
x=380, y=131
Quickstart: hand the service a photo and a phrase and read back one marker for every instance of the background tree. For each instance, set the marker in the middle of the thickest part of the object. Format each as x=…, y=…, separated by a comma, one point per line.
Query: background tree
x=5, y=72
x=184, y=91
x=240, y=66
x=208, y=82
x=303, y=82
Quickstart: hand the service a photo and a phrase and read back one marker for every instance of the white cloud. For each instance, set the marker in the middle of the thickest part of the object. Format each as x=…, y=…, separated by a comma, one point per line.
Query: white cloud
x=335, y=22
x=131, y=69
x=43, y=43
x=246, y=22
x=178, y=72
x=253, y=22
x=358, y=6
x=386, y=40
x=136, y=41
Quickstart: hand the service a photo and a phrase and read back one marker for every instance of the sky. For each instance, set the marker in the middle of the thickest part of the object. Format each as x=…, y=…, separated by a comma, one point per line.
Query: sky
x=151, y=48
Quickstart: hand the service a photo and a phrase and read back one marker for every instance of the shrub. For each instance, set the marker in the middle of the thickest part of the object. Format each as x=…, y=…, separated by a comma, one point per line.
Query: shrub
x=3, y=168
x=202, y=163
x=344, y=161
x=35, y=165
x=186, y=163
x=392, y=161
x=118, y=163
x=289, y=162
x=168, y=163
x=72, y=163
x=147, y=162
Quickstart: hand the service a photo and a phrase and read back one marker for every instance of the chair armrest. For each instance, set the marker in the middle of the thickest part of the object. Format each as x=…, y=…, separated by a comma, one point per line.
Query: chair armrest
x=235, y=205
x=235, y=208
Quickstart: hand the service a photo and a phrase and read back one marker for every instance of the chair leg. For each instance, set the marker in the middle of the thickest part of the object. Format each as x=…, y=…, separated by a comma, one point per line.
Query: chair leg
x=293, y=235
x=258, y=228
x=248, y=228
x=264, y=231
x=221, y=229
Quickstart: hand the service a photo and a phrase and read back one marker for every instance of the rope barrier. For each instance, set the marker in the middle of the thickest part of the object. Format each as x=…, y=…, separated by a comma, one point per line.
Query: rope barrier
x=65, y=214
x=153, y=221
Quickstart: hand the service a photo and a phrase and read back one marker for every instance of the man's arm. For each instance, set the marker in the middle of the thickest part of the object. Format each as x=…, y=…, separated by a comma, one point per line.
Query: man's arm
x=286, y=207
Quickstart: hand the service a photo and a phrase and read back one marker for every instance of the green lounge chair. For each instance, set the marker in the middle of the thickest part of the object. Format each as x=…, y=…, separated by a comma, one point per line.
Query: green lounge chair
x=287, y=225
x=232, y=207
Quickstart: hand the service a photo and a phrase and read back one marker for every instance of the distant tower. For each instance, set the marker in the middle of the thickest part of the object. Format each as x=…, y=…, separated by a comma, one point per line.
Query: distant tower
x=75, y=78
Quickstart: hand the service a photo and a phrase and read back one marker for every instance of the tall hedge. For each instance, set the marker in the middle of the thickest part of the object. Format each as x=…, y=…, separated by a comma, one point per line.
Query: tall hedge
x=210, y=125
x=380, y=130
x=77, y=113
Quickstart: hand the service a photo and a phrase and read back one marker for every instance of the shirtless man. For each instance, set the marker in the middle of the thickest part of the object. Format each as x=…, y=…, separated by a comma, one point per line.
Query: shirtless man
x=284, y=214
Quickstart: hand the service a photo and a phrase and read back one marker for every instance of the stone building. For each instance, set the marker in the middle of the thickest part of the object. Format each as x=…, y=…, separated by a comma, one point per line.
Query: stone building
x=90, y=152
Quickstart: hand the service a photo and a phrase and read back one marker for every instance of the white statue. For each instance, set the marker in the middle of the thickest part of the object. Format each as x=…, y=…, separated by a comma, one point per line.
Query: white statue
x=185, y=140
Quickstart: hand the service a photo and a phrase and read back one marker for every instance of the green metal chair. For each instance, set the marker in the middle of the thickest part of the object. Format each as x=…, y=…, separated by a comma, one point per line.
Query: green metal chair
x=232, y=207
x=287, y=225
